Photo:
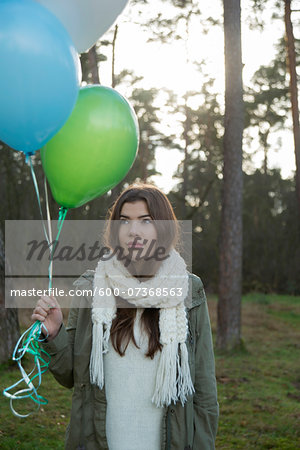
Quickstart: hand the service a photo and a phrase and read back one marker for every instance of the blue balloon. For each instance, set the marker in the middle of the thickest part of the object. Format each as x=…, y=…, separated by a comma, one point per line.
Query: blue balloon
x=39, y=75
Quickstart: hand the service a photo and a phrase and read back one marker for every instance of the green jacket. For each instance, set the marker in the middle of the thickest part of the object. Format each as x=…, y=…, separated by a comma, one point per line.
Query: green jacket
x=193, y=426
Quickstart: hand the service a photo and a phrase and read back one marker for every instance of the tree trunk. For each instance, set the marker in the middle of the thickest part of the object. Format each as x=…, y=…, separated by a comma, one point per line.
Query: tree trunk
x=185, y=135
x=113, y=75
x=116, y=190
x=185, y=164
x=9, y=325
x=144, y=152
x=264, y=140
x=92, y=58
x=290, y=43
x=230, y=280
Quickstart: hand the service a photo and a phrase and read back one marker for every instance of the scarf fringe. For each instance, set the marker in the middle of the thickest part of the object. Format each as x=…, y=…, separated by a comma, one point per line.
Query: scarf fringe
x=165, y=386
x=184, y=381
x=100, y=346
x=168, y=387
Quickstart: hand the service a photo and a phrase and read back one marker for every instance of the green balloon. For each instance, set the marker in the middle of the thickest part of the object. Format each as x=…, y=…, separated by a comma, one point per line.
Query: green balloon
x=95, y=148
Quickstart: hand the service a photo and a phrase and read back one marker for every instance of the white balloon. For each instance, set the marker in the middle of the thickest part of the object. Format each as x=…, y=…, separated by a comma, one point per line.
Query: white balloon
x=85, y=20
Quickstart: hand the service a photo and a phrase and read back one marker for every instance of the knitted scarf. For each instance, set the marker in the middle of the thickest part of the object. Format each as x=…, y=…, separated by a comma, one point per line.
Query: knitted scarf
x=173, y=379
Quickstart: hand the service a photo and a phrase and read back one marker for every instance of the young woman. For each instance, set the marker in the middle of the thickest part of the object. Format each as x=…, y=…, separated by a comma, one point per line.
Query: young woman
x=139, y=353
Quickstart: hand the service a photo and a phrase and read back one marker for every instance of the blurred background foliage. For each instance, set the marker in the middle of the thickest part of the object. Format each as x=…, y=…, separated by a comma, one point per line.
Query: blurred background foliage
x=271, y=236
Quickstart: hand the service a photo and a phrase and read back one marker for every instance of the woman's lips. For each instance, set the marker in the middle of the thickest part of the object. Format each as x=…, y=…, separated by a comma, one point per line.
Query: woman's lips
x=134, y=245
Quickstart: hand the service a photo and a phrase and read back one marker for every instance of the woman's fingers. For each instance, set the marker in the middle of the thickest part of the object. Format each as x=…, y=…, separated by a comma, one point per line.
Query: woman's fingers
x=50, y=301
x=41, y=311
x=48, y=311
x=53, y=300
x=47, y=303
x=36, y=316
x=43, y=307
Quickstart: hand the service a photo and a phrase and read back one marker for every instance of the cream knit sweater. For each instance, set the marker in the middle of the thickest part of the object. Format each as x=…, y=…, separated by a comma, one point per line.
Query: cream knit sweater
x=133, y=422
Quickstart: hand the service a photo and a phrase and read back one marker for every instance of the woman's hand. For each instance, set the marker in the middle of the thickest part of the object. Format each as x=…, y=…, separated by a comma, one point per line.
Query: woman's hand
x=48, y=312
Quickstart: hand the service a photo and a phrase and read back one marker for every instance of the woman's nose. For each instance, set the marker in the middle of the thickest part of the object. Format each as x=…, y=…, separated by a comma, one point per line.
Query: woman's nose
x=134, y=229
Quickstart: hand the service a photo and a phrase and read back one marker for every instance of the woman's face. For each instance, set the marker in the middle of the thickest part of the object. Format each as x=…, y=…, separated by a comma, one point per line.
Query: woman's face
x=137, y=233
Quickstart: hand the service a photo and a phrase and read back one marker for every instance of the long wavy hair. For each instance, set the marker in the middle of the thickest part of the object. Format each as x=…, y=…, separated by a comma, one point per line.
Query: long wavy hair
x=160, y=209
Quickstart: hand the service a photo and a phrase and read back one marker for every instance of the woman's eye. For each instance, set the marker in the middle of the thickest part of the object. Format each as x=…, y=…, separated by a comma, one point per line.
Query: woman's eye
x=123, y=221
x=147, y=221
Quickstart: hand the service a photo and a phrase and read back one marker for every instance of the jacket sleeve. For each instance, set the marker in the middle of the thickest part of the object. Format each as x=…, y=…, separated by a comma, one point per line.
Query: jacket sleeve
x=206, y=408
x=61, y=351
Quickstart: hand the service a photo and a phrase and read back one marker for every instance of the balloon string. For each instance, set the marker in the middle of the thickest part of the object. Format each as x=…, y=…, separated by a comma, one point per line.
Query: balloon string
x=62, y=215
x=36, y=187
x=50, y=270
x=29, y=343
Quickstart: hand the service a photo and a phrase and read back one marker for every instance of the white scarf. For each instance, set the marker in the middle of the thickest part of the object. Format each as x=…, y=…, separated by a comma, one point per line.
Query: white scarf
x=173, y=379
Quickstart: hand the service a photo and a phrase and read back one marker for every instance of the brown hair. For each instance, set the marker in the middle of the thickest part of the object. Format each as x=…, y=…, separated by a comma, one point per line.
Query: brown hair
x=160, y=209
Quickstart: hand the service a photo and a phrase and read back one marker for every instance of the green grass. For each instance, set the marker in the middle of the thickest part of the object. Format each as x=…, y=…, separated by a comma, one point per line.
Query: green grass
x=259, y=388
x=42, y=430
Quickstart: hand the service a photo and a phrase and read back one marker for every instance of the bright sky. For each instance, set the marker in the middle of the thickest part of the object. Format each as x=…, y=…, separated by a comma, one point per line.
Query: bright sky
x=166, y=66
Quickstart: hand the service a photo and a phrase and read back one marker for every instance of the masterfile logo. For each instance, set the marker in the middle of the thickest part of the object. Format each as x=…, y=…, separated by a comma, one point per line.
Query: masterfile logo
x=80, y=246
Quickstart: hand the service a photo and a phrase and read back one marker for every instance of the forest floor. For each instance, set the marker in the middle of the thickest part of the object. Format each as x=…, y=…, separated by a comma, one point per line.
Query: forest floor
x=258, y=388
